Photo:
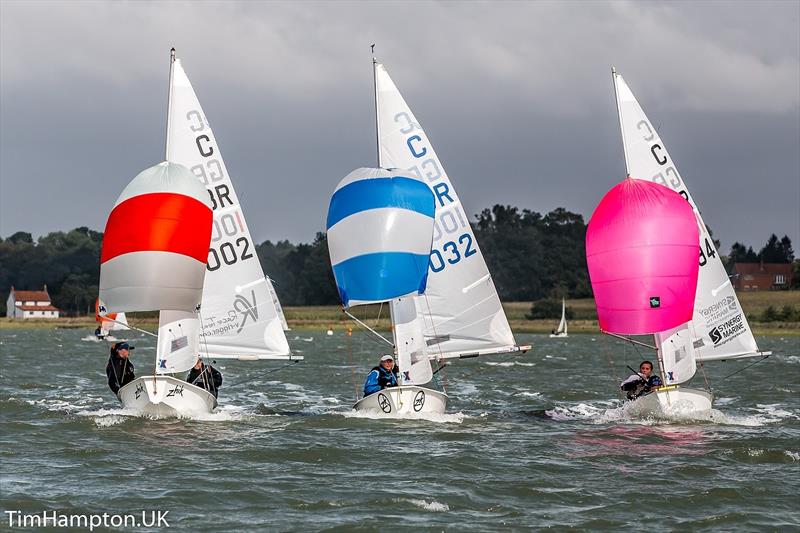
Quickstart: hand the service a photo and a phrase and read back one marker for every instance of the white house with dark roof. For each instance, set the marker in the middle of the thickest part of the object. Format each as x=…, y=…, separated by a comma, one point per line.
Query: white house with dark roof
x=30, y=304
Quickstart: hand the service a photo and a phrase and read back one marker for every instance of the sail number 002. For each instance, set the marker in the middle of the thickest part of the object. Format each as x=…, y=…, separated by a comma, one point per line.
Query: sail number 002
x=228, y=253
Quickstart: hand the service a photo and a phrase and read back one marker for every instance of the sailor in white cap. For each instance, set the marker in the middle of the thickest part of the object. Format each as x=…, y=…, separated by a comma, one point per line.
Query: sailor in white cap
x=382, y=376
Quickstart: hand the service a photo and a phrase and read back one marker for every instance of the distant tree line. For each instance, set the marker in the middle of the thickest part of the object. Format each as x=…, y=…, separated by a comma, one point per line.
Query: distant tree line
x=532, y=257
x=775, y=251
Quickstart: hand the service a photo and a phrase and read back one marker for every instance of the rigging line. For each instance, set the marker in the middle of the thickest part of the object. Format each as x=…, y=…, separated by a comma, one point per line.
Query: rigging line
x=287, y=365
x=204, y=341
x=609, y=358
x=705, y=377
x=387, y=341
x=350, y=361
x=745, y=368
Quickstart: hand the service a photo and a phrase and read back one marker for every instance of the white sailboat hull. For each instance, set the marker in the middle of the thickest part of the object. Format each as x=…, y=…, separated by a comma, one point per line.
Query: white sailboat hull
x=558, y=335
x=672, y=400
x=166, y=396
x=404, y=400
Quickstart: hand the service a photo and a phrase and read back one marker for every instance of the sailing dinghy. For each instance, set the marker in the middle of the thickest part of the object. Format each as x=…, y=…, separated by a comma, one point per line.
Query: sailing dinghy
x=718, y=328
x=106, y=324
x=380, y=226
x=641, y=250
x=239, y=315
x=561, y=330
x=459, y=314
x=153, y=257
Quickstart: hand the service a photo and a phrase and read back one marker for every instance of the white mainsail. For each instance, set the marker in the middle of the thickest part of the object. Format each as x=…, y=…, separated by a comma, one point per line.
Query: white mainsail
x=238, y=314
x=460, y=311
x=719, y=328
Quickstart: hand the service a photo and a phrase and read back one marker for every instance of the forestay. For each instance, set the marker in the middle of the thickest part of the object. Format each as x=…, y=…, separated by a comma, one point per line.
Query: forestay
x=460, y=309
x=239, y=316
x=719, y=328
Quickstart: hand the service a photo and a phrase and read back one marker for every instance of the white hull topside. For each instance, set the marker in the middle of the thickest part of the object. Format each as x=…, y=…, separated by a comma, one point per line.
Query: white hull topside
x=166, y=396
x=558, y=335
x=672, y=400
x=404, y=400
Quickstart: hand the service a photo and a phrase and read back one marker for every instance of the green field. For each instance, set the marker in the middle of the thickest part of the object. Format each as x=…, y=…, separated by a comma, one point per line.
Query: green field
x=585, y=321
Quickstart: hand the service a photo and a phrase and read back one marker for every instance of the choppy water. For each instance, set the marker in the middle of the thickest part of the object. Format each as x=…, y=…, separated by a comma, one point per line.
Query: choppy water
x=529, y=442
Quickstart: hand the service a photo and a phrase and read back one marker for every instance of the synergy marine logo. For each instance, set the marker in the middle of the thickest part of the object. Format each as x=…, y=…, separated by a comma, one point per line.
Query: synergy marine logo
x=726, y=331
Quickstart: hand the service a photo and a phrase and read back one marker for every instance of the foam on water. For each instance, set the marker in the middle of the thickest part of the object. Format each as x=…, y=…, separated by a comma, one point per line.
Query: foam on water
x=601, y=413
x=439, y=418
x=433, y=505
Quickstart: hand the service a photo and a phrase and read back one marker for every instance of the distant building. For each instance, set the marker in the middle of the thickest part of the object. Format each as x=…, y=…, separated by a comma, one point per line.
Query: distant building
x=30, y=304
x=762, y=276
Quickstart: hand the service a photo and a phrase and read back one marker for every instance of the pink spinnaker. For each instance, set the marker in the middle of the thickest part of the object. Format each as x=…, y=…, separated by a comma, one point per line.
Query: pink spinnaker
x=642, y=249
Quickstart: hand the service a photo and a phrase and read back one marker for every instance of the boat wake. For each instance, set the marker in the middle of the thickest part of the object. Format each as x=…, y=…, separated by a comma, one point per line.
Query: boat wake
x=607, y=412
x=439, y=418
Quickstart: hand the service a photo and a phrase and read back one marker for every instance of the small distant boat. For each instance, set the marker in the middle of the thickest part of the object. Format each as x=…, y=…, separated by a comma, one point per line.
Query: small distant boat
x=108, y=323
x=561, y=330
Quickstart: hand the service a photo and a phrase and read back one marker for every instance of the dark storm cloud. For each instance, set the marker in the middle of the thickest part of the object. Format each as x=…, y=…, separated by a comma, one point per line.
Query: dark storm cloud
x=517, y=98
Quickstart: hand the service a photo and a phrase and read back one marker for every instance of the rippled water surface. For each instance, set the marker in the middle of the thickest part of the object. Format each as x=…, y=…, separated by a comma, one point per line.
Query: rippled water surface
x=529, y=441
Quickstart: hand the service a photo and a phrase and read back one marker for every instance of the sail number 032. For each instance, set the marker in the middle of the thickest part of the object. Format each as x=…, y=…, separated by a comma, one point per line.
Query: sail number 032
x=452, y=252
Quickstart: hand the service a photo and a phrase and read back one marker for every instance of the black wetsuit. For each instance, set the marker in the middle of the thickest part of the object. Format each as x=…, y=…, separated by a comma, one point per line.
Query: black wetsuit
x=206, y=377
x=119, y=371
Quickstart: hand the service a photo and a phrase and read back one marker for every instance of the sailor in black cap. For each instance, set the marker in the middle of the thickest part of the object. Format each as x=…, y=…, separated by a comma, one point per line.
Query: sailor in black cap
x=119, y=368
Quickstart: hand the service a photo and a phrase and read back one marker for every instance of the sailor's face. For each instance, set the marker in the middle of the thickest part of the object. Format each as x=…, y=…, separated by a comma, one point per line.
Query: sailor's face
x=123, y=352
x=388, y=364
x=646, y=370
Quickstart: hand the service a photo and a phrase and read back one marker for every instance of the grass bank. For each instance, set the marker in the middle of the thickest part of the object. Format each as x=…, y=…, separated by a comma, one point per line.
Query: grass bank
x=585, y=321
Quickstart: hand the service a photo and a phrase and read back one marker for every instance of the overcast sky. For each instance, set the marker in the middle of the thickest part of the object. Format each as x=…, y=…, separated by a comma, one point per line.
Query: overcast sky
x=516, y=97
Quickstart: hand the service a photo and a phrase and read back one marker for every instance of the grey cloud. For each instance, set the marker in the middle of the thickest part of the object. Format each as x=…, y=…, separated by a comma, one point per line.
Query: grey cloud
x=516, y=96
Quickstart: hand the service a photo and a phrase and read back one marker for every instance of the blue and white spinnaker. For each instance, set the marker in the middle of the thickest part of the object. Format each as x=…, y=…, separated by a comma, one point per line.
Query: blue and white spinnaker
x=380, y=229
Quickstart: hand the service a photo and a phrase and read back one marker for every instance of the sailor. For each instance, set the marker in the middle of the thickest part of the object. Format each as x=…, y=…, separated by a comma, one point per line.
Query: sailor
x=119, y=368
x=382, y=376
x=205, y=376
x=641, y=383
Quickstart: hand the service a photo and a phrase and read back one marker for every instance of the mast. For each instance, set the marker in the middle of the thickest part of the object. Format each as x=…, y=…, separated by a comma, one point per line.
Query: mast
x=377, y=119
x=169, y=103
x=619, y=118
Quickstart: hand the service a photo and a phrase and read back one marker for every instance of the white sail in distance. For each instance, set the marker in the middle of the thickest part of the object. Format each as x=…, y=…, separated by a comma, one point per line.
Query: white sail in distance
x=562, y=325
x=238, y=316
x=719, y=328
x=460, y=310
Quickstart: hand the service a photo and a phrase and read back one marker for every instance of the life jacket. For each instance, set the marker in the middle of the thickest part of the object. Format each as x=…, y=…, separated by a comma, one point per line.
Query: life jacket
x=379, y=379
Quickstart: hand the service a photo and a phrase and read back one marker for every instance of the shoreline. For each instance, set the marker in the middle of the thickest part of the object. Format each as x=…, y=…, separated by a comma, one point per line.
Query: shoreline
x=301, y=321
